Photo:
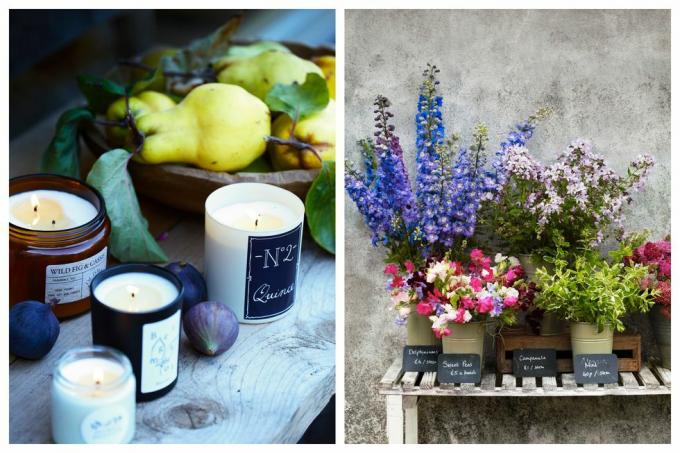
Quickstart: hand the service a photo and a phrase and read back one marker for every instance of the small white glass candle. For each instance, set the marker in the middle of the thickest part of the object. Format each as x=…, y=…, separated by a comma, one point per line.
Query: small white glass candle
x=93, y=397
x=252, y=249
x=136, y=292
x=46, y=210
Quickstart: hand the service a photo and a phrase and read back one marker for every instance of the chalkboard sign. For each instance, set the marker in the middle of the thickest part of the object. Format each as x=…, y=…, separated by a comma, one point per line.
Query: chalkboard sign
x=272, y=274
x=534, y=362
x=596, y=369
x=420, y=358
x=459, y=369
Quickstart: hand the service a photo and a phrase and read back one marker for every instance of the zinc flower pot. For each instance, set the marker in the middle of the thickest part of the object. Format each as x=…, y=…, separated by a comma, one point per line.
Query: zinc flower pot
x=465, y=338
x=551, y=325
x=585, y=339
x=662, y=331
x=419, y=331
x=530, y=265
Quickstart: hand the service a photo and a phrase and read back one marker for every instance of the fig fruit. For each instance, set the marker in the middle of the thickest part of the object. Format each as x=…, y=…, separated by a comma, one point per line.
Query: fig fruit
x=211, y=327
x=195, y=290
x=33, y=329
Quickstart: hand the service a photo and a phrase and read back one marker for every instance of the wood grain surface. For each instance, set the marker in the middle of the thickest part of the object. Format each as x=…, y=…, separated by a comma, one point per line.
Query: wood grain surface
x=266, y=389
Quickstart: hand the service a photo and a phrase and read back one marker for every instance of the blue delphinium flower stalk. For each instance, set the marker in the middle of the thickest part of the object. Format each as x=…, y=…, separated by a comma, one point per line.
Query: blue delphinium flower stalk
x=450, y=182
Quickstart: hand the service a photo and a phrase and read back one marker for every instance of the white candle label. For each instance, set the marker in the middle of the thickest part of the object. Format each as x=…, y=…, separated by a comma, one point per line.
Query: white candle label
x=160, y=347
x=108, y=425
x=271, y=274
x=66, y=283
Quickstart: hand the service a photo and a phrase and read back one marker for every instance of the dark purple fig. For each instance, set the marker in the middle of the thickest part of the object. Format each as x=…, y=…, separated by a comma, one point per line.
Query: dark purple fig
x=195, y=290
x=33, y=329
x=211, y=327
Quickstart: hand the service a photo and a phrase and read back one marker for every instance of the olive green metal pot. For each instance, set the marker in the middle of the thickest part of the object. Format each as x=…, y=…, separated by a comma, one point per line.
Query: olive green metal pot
x=662, y=331
x=585, y=339
x=465, y=338
x=419, y=331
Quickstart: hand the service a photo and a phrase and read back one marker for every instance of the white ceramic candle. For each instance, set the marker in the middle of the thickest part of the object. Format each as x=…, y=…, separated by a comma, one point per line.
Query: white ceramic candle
x=252, y=249
x=49, y=210
x=93, y=397
x=136, y=292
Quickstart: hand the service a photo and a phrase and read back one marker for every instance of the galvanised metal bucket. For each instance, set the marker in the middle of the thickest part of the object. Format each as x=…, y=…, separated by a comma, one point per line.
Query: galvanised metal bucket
x=466, y=339
x=585, y=339
x=419, y=331
x=662, y=331
x=552, y=325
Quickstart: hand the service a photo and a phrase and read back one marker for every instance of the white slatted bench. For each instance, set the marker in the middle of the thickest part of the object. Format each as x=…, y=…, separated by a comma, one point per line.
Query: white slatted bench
x=402, y=391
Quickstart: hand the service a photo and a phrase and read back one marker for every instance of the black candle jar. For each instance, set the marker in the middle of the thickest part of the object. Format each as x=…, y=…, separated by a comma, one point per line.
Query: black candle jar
x=149, y=338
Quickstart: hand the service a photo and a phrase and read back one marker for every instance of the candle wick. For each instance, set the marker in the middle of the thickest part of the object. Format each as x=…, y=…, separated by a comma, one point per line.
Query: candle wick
x=256, y=220
x=35, y=208
x=54, y=222
x=133, y=295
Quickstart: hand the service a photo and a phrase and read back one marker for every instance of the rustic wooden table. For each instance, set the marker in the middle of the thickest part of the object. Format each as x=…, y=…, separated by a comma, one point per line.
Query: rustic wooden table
x=266, y=389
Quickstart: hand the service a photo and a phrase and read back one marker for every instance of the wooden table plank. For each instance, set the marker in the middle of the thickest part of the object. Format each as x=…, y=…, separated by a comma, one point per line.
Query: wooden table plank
x=528, y=384
x=665, y=375
x=629, y=381
x=549, y=384
x=427, y=381
x=277, y=377
x=488, y=382
x=569, y=382
x=509, y=382
x=648, y=378
x=392, y=375
x=408, y=382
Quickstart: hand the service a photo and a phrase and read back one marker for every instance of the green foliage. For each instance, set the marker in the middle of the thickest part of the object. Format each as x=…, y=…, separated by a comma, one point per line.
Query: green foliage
x=62, y=154
x=201, y=52
x=593, y=290
x=320, y=207
x=130, y=237
x=99, y=92
x=299, y=101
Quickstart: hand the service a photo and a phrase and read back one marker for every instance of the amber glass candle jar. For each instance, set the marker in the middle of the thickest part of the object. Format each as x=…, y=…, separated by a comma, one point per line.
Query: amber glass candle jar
x=58, y=238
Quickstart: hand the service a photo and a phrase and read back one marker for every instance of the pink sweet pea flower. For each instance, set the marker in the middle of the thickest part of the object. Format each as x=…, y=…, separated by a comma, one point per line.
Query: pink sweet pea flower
x=445, y=332
x=476, y=254
x=424, y=308
x=509, y=301
x=410, y=267
x=392, y=269
x=460, y=316
x=487, y=275
x=476, y=284
x=397, y=282
x=510, y=276
x=485, y=304
x=665, y=268
x=467, y=303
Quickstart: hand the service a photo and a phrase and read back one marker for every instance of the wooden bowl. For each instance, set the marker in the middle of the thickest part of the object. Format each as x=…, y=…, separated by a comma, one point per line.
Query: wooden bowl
x=185, y=187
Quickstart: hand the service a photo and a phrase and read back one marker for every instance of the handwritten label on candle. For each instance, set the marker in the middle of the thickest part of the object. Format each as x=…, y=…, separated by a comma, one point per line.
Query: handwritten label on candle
x=534, y=362
x=108, y=425
x=596, y=369
x=271, y=274
x=160, y=346
x=459, y=369
x=65, y=283
x=420, y=358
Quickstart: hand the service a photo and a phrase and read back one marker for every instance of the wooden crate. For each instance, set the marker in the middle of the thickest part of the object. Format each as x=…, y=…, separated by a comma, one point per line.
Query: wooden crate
x=626, y=347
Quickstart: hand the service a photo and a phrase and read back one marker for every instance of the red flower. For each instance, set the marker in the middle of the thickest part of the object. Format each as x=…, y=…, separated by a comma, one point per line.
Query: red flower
x=485, y=304
x=424, y=308
x=476, y=284
x=476, y=255
x=397, y=281
x=392, y=269
x=408, y=264
x=467, y=303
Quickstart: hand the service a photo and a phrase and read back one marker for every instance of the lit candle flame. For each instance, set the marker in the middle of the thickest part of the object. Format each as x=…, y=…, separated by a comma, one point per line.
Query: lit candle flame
x=97, y=376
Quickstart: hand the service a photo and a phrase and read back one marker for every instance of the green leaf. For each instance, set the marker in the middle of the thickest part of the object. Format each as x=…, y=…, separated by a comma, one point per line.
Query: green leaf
x=320, y=207
x=99, y=92
x=63, y=153
x=299, y=101
x=199, y=53
x=143, y=84
x=260, y=165
x=130, y=237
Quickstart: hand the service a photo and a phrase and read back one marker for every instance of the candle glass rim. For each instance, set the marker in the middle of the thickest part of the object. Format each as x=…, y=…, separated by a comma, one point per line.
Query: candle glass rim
x=299, y=209
x=136, y=267
x=94, y=351
x=75, y=231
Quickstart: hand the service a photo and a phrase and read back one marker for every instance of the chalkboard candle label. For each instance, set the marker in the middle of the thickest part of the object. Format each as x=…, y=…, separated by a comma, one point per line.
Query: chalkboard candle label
x=253, y=235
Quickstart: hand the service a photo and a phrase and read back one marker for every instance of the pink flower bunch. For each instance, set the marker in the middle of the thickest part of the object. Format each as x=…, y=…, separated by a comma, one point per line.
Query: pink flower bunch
x=657, y=257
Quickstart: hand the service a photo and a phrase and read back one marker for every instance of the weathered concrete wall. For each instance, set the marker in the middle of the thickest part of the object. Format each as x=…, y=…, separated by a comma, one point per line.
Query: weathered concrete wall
x=607, y=74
